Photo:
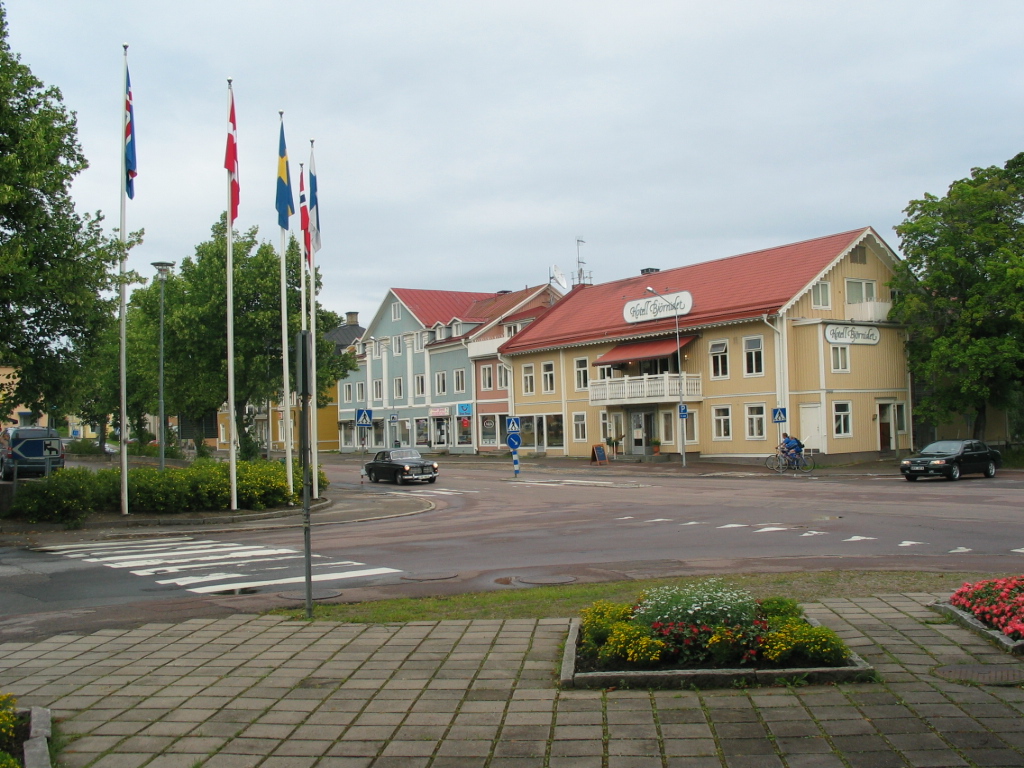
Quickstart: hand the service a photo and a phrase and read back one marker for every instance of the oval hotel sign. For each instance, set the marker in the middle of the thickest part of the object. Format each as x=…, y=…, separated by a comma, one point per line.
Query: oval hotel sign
x=655, y=308
x=851, y=334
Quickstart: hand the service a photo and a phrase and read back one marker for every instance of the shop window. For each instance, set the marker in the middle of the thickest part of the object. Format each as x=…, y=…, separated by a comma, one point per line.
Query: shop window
x=840, y=359
x=842, y=421
x=859, y=291
x=464, y=430
x=755, y=422
x=403, y=433
x=486, y=378
x=753, y=356
x=488, y=429
x=419, y=385
x=722, y=416
x=398, y=388
x=422, y=431
x=460, y=380
x=579, y=427
x=528, y=383
x=548, y=377
x=441, y=383
x=528, y=431
x=719, y=351
x=348, y=434
x=900, y=411
x=821, y=295
x=555, y=431
x=378, y=432
x=582, y=373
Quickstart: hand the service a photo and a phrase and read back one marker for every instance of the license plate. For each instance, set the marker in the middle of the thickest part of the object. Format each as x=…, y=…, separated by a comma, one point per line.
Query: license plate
x=917, y=469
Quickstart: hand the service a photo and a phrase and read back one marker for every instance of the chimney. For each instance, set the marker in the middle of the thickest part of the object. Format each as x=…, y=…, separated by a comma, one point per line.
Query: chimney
x=649, y=270
x=351, y=318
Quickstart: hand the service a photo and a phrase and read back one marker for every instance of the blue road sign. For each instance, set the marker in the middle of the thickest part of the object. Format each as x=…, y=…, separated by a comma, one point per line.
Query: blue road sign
x=394, y=418
x=364, y=417
x=683, y=412
x=512, y=424
x=514, y=440
x=778, y=415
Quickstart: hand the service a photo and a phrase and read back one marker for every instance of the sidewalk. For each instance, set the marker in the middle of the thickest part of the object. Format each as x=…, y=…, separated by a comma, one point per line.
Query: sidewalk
x=251, y=691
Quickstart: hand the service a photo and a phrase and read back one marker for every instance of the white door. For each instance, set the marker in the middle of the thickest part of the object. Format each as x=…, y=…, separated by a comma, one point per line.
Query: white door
x=810, y=426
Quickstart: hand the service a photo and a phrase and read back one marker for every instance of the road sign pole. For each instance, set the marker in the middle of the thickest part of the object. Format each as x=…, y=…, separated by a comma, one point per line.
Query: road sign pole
x=515, y=462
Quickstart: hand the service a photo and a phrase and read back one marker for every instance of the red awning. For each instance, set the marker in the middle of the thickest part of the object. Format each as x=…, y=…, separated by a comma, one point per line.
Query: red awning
x=642, y=350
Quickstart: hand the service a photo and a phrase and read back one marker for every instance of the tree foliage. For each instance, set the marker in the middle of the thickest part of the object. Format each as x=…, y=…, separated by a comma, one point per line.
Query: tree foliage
x=54, y=264
x=960, y=291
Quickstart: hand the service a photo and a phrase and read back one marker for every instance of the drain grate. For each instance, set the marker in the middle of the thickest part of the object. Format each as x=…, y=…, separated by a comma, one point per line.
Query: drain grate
x=429, y=576
x=546, y=580
x=983, y=674
x=318, y=594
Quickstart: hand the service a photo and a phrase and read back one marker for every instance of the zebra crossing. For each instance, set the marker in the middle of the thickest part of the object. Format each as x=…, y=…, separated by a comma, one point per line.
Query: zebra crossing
x=206, y=566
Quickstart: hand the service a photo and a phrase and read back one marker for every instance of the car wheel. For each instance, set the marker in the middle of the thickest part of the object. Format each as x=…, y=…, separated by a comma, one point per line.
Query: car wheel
x=990, y=469
x=431, y=479
x=372, y=474
x=910, y=478
x=954, y=473
x=399, y=480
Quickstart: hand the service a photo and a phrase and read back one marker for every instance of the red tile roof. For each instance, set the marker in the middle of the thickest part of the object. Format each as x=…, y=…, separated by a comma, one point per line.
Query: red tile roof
x=732, y=288
x=433, y=307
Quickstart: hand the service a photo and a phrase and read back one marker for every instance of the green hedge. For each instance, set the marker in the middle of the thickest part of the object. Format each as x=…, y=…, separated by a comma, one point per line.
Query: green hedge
x=69, y=495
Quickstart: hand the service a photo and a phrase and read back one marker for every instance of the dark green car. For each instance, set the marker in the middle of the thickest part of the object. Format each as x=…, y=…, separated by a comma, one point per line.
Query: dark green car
x=951, y=459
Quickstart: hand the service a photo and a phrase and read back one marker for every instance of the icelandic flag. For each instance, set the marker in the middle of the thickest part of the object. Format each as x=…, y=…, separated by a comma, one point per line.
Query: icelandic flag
x=130, y=165
x=285, y=200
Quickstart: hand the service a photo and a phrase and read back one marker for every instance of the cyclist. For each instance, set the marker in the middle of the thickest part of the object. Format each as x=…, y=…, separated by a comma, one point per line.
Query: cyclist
x=791, y=447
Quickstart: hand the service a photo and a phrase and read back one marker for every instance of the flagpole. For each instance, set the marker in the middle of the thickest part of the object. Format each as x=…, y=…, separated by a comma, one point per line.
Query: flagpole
x=123, y=305
x=302, y=247
x=230, y=266
x=286, y=405
x=314, y=246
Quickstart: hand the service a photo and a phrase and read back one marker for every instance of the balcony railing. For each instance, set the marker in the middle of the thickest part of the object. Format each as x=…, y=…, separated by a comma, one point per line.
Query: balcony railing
x=660, y=388
x=869, y=311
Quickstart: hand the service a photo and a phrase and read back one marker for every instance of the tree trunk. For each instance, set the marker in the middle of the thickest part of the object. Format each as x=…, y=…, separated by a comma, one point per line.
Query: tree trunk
x=980, y=421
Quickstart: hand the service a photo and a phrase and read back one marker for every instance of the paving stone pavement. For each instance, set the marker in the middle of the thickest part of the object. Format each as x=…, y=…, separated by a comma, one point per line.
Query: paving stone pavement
x=262, y=691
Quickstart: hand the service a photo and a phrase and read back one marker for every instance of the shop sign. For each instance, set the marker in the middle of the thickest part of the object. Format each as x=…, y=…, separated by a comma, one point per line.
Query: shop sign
x=440, y=411
x=655, y=307
x=851, y=334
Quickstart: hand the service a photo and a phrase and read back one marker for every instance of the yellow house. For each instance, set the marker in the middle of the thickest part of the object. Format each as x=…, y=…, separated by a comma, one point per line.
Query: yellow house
x=792, y=339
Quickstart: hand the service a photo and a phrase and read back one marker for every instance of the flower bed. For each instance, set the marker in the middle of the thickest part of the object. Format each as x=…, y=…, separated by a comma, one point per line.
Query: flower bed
x=705, y=634
x=993, y=607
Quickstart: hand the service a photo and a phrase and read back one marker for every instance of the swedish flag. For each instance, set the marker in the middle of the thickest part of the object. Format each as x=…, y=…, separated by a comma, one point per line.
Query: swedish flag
x=285, y=201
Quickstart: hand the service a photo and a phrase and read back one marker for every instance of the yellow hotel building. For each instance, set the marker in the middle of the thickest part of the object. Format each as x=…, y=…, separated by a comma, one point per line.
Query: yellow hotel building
x=798, y=332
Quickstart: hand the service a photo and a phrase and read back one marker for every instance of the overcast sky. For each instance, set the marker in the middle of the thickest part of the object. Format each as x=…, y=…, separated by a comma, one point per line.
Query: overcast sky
x=466, y=145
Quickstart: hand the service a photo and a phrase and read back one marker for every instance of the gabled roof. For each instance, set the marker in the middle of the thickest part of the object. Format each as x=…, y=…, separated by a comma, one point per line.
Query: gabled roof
x=344, y=336
x=734, y=288
x=433, y=307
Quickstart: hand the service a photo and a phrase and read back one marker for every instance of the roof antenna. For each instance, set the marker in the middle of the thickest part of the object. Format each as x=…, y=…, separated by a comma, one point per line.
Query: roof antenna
x=581, y=276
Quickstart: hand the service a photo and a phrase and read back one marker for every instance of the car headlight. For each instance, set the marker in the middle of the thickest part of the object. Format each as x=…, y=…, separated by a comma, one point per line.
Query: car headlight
x=435, y=465
x=406, y=467
x=937, y=461
x=905, y=462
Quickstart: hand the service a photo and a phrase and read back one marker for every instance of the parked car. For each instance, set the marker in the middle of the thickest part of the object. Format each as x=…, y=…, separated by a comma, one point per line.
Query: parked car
x=32, y=449
x=401, y=465
x=952, y=458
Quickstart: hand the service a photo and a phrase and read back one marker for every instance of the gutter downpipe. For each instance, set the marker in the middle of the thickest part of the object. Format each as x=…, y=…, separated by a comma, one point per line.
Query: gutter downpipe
x=780, y=386
x=511, y=387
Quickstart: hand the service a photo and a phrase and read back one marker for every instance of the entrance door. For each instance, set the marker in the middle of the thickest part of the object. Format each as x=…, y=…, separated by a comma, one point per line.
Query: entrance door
x=441, y=432
x=885, y=427
x=637, y=441
x=810, y=426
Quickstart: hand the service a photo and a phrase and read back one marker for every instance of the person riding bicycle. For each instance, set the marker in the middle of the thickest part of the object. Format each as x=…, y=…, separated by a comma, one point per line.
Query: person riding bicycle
x=791, y=447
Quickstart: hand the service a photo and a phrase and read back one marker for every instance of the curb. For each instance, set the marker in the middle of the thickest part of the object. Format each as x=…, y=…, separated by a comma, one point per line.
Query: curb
x=37, y=748
x=856, y=670
x=967, y=621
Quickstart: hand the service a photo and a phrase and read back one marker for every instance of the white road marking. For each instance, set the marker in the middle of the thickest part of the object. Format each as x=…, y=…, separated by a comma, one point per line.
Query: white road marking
x=815, y=533
x=295, y=580
x=659, y=520
x=910, y=543
x=960, y=550
x=694, y=522
x=623, y=518
x=734, y=525
x=860, y=538
x=1018, y=550
x=768, y=530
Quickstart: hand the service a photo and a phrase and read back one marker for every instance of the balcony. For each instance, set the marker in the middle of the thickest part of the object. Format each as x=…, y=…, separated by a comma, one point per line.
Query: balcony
x=632, y=390
x=869, y=311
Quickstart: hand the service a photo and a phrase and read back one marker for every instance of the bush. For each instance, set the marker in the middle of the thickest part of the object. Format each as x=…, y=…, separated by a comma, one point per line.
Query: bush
x=780, y=608
x=997, y=602
x=685, y=644
x=8, y=731
x=737, y=644
x=596, y=624
x=630, y=642
x=709, y=602
x=800, y=642
x=67, y=496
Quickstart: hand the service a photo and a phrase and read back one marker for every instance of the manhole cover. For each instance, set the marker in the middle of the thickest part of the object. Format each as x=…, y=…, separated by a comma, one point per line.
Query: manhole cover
x=429, y=576
x=983, y=674
x=546, y=580
x=318, y=594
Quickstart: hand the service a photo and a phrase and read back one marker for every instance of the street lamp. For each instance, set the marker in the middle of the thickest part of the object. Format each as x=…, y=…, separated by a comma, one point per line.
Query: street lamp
x=163, y=268
x=682, y=376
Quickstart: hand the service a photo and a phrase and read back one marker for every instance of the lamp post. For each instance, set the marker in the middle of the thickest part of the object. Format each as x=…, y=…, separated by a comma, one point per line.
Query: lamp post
x=163, y=268
x=682, y=376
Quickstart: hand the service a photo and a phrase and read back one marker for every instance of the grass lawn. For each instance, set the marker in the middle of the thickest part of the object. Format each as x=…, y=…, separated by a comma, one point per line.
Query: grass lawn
x=551, y=602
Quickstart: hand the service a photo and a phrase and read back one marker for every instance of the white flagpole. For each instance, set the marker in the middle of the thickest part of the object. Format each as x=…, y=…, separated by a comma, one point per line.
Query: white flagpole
x=302, y=249
x=232, y=430
x=313, y=248
x=286, y=404
x=123, y=316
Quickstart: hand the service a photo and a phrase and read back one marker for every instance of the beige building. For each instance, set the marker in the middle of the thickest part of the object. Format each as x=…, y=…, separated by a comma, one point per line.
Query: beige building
x=792, y=339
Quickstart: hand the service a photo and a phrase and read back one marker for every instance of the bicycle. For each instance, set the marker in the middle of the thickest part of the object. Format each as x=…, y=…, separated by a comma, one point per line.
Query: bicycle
x=799, y=462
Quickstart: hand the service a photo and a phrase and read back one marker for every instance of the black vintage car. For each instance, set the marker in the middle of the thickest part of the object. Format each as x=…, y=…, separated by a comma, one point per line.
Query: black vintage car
x=401, y=465
x=952, y=458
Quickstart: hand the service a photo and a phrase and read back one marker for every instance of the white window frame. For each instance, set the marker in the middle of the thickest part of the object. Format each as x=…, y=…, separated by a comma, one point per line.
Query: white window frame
x=721, y=416
x=529, y=382
x=441, y=383
x=360, y=391
x=511, y=330
x=689, y=426
x=605, y=372
x=547, y=377
x=419, y=385
x=754, y=421
x=460, y=380
x=899, y=417
x=606, y=426
x=582, y=372
x=417, y=342
x=397, y=346
x=842, y=418
x=398, y=388
x=347, y=392
x=718, y=349
x=378, y=389
x=668, y=430
x=579, y=427
x=504, y=375
x=840, y=357
x=486, y=378
x=396, y=311
x=821, y=290
x=864, y=284
x=753, y=356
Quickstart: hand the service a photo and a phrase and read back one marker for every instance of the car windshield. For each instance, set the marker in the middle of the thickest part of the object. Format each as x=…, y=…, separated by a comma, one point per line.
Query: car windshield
x=943, y=446
x=408, y=453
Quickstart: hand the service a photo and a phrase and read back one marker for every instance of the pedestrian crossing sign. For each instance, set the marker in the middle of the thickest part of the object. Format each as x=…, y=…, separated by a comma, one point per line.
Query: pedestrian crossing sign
x=512, y=424
x=779, y=415
x=364, y=417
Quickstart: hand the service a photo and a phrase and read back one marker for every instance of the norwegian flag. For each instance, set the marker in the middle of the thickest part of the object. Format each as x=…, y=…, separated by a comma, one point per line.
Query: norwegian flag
x=130, y=164
x=231, y=157
x=304, y=217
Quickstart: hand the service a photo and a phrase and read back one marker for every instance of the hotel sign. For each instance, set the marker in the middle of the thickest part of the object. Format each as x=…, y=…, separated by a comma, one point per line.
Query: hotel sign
x=851, y=334
x=655, y=307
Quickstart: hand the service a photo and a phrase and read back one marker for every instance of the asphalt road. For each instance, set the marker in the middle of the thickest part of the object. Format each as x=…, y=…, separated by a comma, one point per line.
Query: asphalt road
x=489, y=531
